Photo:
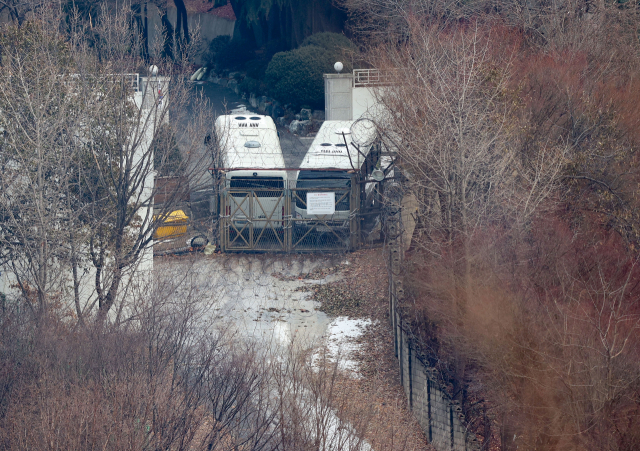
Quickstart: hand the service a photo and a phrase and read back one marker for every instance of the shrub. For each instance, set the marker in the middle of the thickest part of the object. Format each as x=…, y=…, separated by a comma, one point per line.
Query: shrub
x=295, y=76
x=329, y=41
x=234, y=55
x=256, y=68
x=215, y=46
x=251, y=85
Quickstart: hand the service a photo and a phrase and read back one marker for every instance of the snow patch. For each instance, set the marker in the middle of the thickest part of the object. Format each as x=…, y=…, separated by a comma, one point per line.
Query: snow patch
x=341, y=342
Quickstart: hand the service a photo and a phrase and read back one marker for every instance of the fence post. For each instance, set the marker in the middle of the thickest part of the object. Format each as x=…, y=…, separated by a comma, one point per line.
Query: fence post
x=430, y=418
x=400, y=356
x=451, y=429
x=410, y=372
x=222, y=221
x=354, y=213
x=287, y=220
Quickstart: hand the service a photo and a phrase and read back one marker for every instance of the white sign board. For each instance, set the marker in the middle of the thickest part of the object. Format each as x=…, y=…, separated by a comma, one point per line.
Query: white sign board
x=321, y=203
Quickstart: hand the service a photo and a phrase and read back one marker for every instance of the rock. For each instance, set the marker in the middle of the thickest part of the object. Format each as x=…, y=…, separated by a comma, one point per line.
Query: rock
x=235, y=75
x=262, y=103
x=253, y=101
x=281, y=121
x=269, y=109
x=277, y=110
x=294, y=125
x=318, y=115
x=233, y=85
x=299, y=127
x=298, y=117
x=305, y=114
x=313, y=126
x=224, y=82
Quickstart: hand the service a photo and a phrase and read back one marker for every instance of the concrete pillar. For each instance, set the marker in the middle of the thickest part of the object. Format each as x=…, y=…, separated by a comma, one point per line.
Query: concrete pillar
x=337, y=97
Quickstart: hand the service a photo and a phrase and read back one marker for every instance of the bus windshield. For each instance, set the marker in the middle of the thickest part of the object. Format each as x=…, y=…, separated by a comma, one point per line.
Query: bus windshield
x=274, y=185
x=324, y=179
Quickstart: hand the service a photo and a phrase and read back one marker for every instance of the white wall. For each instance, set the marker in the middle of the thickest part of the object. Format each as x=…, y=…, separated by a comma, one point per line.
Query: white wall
x=364, y=103
x=141, y=274
x=344, y=102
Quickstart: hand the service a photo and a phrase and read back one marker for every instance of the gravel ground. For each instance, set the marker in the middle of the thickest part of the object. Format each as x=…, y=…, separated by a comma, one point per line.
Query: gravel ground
x=337, y=302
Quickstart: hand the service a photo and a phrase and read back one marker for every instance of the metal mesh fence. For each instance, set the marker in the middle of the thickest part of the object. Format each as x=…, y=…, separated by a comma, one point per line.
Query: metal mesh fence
x=328, y=231
x=276, y=216
x=253, y=215
x=324, y=195
x=192, y=227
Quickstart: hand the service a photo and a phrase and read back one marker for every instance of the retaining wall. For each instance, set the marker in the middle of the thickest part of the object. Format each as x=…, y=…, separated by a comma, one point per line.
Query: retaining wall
x=439, y=416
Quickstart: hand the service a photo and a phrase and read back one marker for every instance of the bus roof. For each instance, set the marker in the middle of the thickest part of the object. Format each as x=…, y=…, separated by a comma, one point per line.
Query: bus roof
x=340, y=145
x=244, y=120
x=250, y=142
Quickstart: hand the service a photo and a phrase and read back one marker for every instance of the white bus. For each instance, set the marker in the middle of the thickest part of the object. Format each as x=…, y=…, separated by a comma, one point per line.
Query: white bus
x=251, y=168
x=339, y=150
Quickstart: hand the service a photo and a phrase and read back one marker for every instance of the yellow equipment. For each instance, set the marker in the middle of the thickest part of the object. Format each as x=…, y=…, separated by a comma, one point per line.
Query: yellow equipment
x=174, y=226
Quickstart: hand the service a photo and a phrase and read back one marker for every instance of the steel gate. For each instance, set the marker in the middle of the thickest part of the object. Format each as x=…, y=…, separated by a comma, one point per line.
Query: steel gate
x=275, y=219
x=311, y=232
x=254, y=219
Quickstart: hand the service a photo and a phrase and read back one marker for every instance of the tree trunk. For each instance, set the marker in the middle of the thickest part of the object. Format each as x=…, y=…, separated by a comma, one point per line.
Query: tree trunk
x=145, y=35
x=76, y=279
x=182, y=27
x=167, y=35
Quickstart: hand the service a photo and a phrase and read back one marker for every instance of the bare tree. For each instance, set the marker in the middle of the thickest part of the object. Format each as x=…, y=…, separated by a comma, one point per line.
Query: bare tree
x=83, y=125
x=170, y=377
x=40, y=116
x=449, y=118
x=573, y=22
x=515, y=136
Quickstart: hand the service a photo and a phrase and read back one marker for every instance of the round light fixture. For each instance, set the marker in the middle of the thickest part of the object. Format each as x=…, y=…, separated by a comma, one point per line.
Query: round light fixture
x=153, y=70
x=338, y=67
x=377, y=175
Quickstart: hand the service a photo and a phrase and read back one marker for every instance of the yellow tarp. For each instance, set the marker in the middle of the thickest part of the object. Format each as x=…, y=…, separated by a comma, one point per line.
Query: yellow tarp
x=176, y=226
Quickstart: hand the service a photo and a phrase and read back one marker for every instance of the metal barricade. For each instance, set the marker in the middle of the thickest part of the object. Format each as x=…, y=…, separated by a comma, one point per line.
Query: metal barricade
x=278, y=219
x=318, y=232
x=254, y=218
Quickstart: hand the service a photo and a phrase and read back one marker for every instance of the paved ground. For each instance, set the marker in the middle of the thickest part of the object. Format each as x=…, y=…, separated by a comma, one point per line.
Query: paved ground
x=258, y=297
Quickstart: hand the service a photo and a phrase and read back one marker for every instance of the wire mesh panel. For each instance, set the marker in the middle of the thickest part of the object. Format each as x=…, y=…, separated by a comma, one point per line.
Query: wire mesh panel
x=322, y=219
x=254, y=215
x=321, y=215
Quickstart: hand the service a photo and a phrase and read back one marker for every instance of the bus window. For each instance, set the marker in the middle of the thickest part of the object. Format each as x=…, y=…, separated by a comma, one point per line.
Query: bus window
x=274, y=185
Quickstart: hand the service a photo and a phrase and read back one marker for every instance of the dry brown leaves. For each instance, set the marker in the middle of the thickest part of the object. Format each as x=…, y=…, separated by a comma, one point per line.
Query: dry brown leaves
x=362, y=293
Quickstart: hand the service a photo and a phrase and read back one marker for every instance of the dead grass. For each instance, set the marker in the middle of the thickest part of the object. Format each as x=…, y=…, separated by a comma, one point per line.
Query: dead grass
x=391, y=425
